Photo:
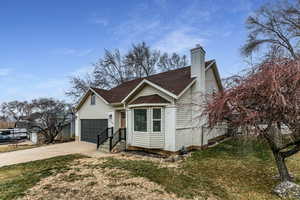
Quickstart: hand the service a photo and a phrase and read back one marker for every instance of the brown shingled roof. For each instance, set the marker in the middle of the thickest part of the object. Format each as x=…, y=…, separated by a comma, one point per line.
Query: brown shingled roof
x=155, y=98
x=175, y=81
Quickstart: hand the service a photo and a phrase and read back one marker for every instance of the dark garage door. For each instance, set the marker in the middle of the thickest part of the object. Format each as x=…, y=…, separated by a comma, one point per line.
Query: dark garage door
x=90, y=128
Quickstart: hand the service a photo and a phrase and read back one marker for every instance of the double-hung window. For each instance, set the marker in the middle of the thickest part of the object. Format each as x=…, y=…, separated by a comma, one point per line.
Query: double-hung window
x=156, y=120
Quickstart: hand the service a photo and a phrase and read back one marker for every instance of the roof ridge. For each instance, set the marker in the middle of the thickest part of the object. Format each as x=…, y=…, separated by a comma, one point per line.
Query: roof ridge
x=99, y=89
x=174, y=81
x=145, y=77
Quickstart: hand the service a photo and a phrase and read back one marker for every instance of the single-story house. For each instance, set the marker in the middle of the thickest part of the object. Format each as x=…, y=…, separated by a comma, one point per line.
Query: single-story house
x=158, y=112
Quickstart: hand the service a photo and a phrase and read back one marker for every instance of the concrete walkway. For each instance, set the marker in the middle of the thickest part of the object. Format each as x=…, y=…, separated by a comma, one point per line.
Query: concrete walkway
x=45, y=152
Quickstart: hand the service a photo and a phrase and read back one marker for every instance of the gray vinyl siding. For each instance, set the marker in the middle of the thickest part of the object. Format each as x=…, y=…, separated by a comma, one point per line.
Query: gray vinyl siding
x=184, y=110
x=149, y=90
x=87, y=111
x=211, y=82
x=148, y=140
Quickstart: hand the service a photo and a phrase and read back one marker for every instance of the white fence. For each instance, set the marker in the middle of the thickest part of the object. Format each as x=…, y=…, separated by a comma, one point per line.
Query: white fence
x=215, y=132
x=198, y=136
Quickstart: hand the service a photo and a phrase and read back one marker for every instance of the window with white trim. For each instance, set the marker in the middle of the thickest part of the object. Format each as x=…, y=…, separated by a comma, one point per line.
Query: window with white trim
x=140, y=120
x=93, y=99
x=156, y=119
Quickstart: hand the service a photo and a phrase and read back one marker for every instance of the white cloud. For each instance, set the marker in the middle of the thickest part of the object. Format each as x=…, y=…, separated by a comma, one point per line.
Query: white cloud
x=5, y=71
x=179, y=40
x=100, y=21
x=25, y=86
x=82, y=71
x=187, y=28
x=51, y=83
x=85, y=52
x=72, y=52
x=137, y=27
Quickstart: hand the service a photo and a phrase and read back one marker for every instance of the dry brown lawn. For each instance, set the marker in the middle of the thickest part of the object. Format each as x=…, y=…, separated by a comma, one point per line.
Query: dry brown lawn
x=16, y=147
x=88, y=180
x=233, y=170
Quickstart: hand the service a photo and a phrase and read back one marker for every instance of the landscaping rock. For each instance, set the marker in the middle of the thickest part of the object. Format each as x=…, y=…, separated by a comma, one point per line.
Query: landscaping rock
x=288, y=190
x=174, y=158
x=277, y=177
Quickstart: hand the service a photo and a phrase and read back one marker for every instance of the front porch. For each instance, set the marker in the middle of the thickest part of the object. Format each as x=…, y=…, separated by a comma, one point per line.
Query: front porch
x=115, y=132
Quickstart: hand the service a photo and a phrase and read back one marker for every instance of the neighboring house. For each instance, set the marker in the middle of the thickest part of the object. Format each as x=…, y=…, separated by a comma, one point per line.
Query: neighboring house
x=158, y=112
x=5, y=125
x=36, y=136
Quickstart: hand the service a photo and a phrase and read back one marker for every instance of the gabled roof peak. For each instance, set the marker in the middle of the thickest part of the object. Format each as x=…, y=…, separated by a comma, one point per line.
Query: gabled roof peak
x=174, y=81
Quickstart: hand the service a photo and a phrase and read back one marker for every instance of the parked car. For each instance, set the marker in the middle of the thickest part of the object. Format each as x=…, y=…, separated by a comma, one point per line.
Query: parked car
x=12, y=134
x=4, y=137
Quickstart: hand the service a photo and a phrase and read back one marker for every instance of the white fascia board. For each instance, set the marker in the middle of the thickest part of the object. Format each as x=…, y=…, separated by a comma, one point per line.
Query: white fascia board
x=211, y=64
x=151, y=84
x=147, y=105
x=139, y=85
x=218, y=77
x=81, y=99
x=99, y=96
x=185, y=89
x=161, y=89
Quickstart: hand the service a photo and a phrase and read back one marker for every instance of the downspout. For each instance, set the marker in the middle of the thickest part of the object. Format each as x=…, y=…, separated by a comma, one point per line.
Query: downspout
x=202, y=137
x=126, y=117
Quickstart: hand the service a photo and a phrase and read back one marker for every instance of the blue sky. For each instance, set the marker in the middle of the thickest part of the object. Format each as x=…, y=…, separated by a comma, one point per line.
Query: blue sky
x=43, y=43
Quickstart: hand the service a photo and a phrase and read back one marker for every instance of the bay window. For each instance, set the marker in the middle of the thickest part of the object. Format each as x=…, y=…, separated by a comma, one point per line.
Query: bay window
x=147, y=120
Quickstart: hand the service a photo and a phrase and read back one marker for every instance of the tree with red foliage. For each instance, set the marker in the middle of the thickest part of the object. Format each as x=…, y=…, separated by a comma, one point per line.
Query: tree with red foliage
x=264, y=99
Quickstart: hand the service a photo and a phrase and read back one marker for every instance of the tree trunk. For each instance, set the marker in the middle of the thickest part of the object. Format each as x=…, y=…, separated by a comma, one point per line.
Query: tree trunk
x=49, y=138
x=282, y=168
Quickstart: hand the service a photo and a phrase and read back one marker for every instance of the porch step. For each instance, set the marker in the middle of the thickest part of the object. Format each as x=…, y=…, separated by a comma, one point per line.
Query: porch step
x=118, y=148
x=121, y=146
x=104, y=147
x=105, y=150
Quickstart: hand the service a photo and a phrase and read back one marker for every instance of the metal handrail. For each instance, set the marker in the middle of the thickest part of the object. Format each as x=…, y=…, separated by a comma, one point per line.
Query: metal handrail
x=117, y=137
x=103, y=136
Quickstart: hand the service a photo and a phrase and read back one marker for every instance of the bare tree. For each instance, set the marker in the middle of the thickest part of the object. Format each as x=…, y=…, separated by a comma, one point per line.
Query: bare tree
x=16, y=110
x=79, y=85
x=108, y=72
x=111, y=70
x=175, y=61
x=142, y=60
x=276, y=27
x=114, y=68
x=260, y=100
x=49, y=117
x=3, y=118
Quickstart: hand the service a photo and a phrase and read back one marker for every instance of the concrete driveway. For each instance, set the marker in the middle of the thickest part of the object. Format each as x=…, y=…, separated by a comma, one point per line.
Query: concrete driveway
x=45, y=152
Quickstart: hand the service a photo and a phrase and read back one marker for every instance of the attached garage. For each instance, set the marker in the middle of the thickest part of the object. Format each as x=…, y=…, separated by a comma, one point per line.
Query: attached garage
x=90, y=128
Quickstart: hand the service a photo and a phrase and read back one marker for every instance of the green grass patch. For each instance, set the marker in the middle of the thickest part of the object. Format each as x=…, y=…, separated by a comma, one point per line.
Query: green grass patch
x=182, y=184
x=237, y=149
x=235, y=169
x=16, y=179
